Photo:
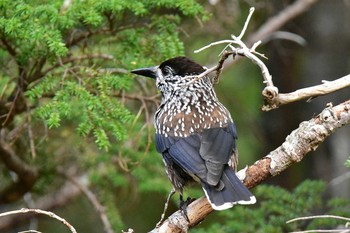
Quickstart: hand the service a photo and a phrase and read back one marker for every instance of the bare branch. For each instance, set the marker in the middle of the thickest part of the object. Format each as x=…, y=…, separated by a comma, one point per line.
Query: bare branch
x=273, y=99
x=38, y=211
x=60, y=197
x=297, y=145
x=318, y=216
x=275, y=23
x=327, y=87
x=323, y=231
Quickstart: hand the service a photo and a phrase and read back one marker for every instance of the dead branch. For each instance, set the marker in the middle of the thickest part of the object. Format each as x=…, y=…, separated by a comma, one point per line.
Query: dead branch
x=319, y=216
x=273, y=99
x=60, y=197
x=344, y=230
x=38, y=211
x=327, y=87
x=297, y=145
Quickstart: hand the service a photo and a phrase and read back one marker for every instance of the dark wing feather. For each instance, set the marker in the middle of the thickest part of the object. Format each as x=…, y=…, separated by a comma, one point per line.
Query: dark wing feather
x=203, y=154
x=184, y=152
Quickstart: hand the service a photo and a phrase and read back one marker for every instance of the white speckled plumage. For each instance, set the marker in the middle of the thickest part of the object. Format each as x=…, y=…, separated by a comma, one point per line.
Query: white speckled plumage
x=195, y=133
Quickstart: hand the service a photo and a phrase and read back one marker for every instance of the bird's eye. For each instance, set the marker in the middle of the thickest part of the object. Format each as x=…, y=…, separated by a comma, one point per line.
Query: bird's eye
x=167, y=71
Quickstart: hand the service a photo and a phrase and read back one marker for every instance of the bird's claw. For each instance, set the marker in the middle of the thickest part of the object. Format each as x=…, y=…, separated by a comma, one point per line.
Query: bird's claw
x=184, y=205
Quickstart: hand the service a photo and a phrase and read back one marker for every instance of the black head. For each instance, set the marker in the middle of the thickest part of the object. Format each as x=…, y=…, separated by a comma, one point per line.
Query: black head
x=177, y=66
x=181, y=66
x=173, y=74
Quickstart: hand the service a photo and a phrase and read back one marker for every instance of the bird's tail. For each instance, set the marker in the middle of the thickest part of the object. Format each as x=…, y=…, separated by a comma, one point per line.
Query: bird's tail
x=233, y=192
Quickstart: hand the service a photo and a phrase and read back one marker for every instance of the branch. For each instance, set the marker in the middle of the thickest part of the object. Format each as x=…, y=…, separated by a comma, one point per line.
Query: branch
x=60, y=197
x=283, y=17
x=345, y=230
x=297, y=145
x=67, y=60
x=92, y=198
x=37, y=211
x=319, y=216
x=26, y=175
x=274, y=101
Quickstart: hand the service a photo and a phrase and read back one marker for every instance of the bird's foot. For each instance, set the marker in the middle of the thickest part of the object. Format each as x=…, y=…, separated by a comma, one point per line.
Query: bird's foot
x=184, y=204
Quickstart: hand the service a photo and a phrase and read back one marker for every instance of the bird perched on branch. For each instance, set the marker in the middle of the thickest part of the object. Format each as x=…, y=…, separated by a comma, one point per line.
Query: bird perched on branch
x=195, y=134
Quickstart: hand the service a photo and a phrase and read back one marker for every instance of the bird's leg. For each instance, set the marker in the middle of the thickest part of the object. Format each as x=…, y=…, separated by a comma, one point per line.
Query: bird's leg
x=172, y=192
x=184, y=204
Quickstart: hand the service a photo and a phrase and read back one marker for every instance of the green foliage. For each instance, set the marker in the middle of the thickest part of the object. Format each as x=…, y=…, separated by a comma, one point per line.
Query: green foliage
x=275, y=206
x=60, y=51
x=347, y=163
x=67, y=67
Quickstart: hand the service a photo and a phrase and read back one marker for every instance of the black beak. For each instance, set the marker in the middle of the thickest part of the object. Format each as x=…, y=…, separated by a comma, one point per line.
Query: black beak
x=148, y=72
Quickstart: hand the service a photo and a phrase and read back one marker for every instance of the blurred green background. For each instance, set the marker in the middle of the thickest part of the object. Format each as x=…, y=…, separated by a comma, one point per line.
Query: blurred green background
x=71, y=111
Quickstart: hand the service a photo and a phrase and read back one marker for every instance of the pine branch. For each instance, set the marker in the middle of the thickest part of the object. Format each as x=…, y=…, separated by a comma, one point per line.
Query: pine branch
x=297, y=145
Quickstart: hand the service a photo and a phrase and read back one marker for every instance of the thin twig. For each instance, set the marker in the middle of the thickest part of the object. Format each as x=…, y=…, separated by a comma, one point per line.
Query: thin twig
x=318, y=216
x=251, y=11
x=74, y=59
x=320, y=230
x=37, y=211
x=30, y=133
x=94, y=201
x=242, y=50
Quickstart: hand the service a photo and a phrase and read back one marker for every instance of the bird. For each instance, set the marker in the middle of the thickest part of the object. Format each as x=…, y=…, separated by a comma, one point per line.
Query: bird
x=195, y=134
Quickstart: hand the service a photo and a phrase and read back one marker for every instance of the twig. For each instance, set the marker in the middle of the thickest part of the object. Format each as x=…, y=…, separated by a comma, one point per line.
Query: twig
x=281, y=35
x=242, y=50
x=30, y=133
x=60, y=197
x=74, y=59
x=318, y=216
x=93, y=199
x=325, y=231
x=251, y=11
x=327, y=87
x=273, y=99
x=38, y=211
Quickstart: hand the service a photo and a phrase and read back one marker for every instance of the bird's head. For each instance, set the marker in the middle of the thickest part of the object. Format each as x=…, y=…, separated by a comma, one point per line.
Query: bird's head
x=171, y=74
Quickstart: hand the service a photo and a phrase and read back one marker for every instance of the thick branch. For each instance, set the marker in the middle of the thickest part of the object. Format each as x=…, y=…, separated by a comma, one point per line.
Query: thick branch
x=297, y=145
x=327, y=87
x=26, y=175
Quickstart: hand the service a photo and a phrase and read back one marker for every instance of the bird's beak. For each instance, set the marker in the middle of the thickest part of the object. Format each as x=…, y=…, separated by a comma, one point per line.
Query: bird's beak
x=148, y=72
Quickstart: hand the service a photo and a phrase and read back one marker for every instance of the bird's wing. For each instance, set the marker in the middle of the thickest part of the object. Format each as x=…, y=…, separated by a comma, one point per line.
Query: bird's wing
x=184, y=152
x=217, y=146
x=203, y=154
